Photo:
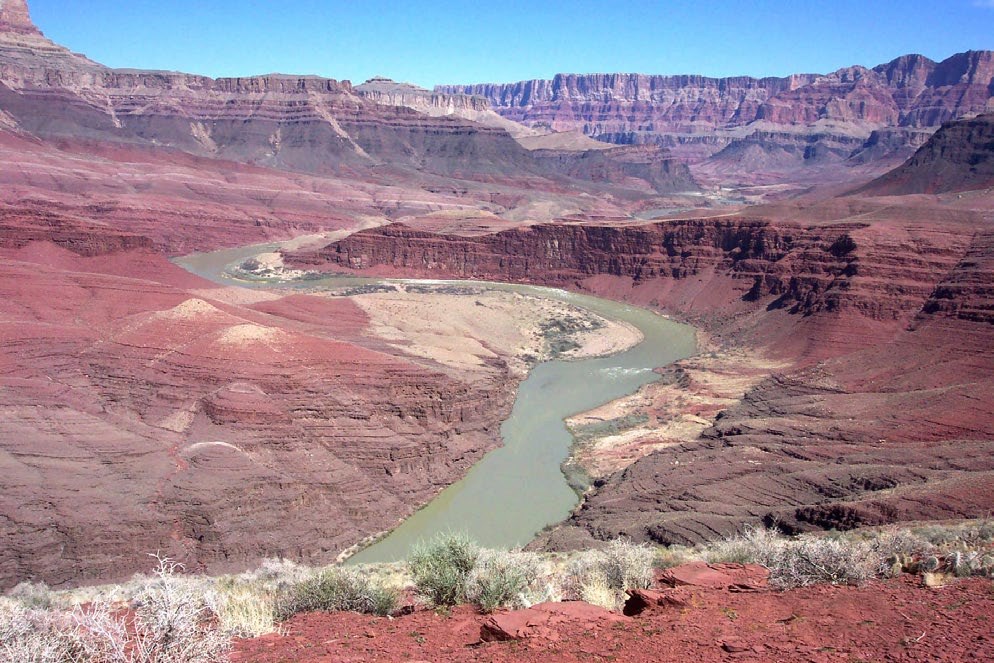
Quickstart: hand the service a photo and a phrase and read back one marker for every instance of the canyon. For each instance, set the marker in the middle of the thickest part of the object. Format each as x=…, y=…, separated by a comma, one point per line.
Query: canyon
x=731, y=127
x=878, y=311
x=846, y=333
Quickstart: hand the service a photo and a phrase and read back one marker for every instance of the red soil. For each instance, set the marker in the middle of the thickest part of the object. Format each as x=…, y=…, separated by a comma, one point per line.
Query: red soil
x=895, y=620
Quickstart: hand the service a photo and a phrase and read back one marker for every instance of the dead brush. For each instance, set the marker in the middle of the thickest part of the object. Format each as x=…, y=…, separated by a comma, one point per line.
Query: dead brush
x=170, y=621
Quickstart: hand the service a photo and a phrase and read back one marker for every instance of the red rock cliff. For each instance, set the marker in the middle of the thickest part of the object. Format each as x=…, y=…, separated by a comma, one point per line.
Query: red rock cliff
x=695, y=115
x=886, y=314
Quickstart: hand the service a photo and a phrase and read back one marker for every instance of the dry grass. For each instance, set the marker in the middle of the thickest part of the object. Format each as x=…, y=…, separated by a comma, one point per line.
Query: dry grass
x=169, y=617
x=166, y=623
x=601, y=577
x=508, y=579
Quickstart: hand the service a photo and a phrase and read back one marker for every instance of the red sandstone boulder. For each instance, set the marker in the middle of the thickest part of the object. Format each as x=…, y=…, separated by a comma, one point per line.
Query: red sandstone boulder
x=541, y=621
x=733, y=577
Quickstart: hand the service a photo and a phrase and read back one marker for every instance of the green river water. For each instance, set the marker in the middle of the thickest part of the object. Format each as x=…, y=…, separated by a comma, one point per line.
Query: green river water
x=518, y=488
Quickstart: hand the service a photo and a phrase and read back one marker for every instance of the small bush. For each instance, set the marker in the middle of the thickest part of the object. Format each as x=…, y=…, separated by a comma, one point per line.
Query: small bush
x=753, y=547
x=628, y=565
x=170, y=622
x=173, y=621
x=441, y=568
x=802, y=561
x=818, y=560
x=970, y=534
x=29, y=635
x=501, y=579
x=337, y=589
x=601, y=577
x=675, y=555
x=276, y=574
x=32, y=594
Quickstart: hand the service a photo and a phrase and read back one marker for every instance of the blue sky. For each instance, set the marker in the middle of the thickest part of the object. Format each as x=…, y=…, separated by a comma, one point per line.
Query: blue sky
x=427, y=42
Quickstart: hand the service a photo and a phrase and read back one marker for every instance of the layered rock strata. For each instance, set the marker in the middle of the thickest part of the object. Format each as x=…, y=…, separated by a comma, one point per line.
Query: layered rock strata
x=885, y=415
x=143, y=410
x=852, y=112
x=298, y=123
x=959, y=157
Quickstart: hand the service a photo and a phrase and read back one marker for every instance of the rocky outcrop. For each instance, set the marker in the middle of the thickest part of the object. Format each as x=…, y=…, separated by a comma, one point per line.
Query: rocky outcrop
x=391, y=93
x=387, y=92
x=542, y=621
x=639, y=166
x=14, y=17
x=19, y=228
x=801, y=269
x=697, y=117
x=959, y=157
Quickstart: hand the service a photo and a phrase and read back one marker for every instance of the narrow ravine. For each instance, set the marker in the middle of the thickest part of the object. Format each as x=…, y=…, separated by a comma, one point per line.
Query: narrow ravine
x=518, y=488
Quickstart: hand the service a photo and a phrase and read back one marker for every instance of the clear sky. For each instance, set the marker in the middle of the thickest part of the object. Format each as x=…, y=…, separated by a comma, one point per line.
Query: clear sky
x=428, y=42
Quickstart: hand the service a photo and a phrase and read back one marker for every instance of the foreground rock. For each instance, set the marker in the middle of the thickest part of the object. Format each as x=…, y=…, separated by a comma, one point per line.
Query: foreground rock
x=892, y=620
x=544, y=622
x=733, y=577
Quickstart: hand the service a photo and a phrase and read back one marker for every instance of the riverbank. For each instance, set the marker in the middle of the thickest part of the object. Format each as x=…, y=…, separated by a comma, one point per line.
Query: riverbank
x=510, y=332
x=672, y=411
x=464, y=327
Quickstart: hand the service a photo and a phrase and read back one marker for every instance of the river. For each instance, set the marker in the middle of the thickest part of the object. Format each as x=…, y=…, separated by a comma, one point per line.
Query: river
x=517, y=489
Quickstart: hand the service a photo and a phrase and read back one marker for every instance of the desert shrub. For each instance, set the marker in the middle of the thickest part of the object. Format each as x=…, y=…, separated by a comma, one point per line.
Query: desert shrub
x=33, y=636
x=441, y=568
x=628, y=565
x=581, y=570
x=502, y=579
x=32, y=594
x=900, y=542
x=983, y=531
x=755, y=546
x=974, y=533
x=276, y=574
x=675, y=555
x=338, y=589
x=173, y=621
x=584, y=579
x=817, y=560
x=801, y=561
x=601, y=576
x=898, y=550
x=170, y=622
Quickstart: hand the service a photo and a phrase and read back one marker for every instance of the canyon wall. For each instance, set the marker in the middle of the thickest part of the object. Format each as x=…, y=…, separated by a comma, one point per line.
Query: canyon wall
x=883, y=316
x=959, y=157
x=697, y=117
x=297, y=123
x=143, y=409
